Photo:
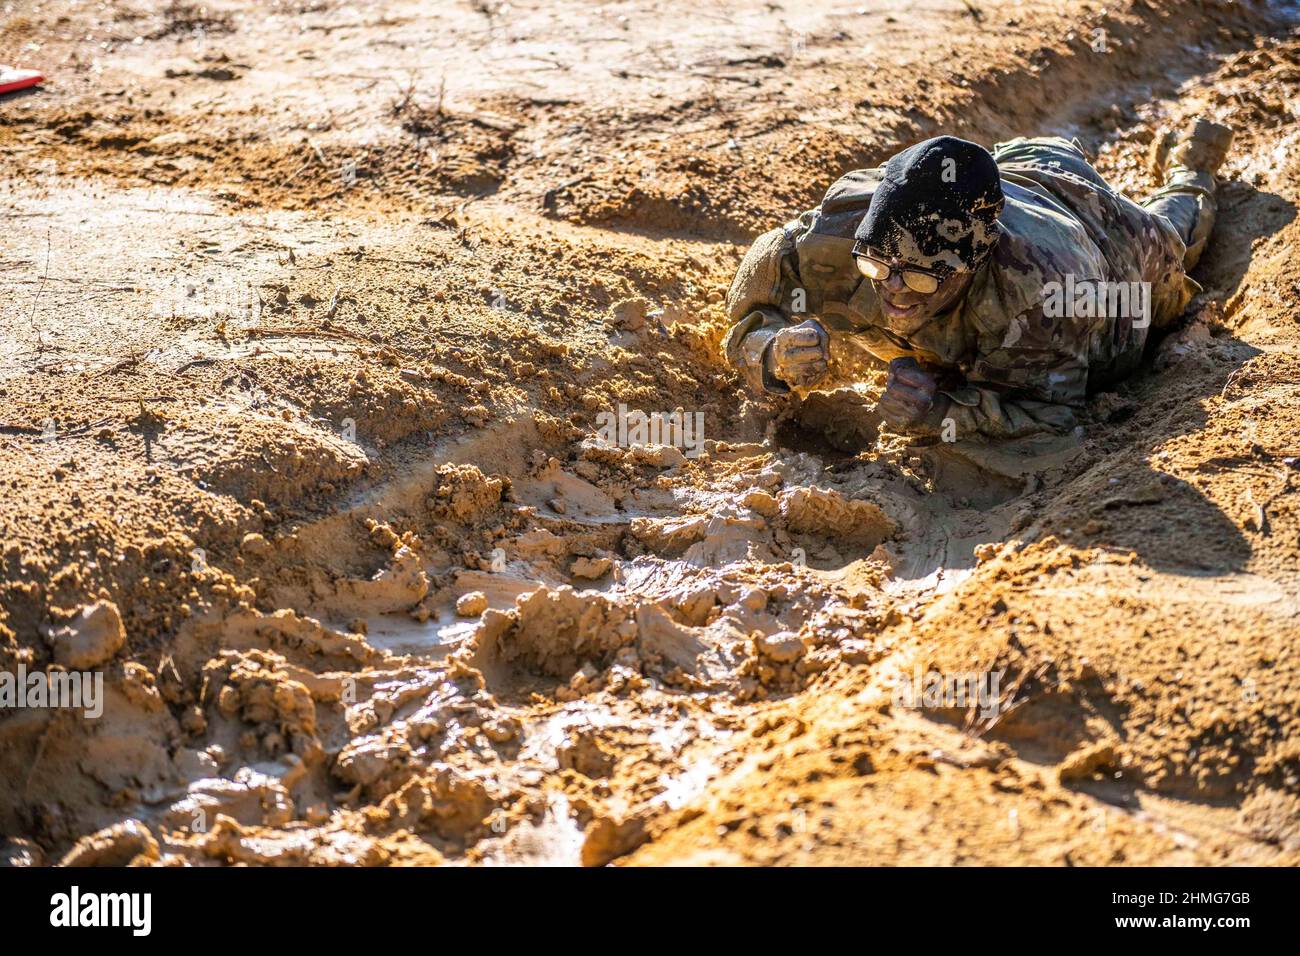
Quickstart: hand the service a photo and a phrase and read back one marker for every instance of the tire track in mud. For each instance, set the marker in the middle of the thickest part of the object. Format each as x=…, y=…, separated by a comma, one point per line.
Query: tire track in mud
x=484, y=741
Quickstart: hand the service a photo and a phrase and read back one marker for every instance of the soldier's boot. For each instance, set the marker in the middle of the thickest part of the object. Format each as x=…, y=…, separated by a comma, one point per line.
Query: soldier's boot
x=1201, y=146
x=1187, y=159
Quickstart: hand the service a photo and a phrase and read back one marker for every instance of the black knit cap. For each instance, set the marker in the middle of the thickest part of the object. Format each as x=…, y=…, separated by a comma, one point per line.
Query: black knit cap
x=937, y=206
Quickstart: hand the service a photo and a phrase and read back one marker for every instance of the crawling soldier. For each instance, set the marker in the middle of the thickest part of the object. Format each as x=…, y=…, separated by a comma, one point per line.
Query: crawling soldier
x=987, y=281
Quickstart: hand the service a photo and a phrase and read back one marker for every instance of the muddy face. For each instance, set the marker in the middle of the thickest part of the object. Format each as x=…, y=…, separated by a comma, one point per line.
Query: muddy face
x=907, y=310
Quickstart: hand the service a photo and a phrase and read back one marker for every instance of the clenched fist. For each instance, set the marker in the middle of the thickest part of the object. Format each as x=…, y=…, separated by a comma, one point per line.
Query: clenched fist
x=909, y=394
x=800, y=354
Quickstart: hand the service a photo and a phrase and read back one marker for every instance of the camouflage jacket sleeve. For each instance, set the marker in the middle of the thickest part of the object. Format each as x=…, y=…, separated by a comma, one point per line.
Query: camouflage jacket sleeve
x=976, y=410
x=754, y=304
x=1024, y=379
x=995, y=395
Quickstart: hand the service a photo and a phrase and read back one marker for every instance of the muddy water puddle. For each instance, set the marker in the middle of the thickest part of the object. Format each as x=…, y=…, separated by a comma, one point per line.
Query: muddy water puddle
x=616, y=643
x=572, y=651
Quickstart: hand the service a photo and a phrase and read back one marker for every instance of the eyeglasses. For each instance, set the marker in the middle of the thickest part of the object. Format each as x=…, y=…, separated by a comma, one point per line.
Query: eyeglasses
x=879, y=270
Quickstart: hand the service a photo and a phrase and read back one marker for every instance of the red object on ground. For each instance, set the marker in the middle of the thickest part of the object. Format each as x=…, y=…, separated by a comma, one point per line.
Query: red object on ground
x=11, y=79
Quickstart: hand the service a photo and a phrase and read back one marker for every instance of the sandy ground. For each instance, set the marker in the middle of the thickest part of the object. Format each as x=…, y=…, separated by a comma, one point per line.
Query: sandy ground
x=311, y=312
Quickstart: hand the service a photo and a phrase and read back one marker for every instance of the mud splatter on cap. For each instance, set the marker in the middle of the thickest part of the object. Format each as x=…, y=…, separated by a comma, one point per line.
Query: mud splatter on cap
x=937, y=205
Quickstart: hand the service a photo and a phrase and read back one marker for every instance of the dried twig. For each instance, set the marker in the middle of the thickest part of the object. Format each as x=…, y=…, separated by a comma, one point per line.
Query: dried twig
x=1004, y=709
x=31, y=319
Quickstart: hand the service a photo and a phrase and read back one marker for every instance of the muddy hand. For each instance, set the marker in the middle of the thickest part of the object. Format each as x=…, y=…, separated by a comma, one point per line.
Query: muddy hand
x=800, y=354
x=909, y=393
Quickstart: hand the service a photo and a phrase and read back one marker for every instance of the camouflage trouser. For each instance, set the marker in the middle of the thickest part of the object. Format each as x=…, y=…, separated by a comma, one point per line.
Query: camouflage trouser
x=1186, y=201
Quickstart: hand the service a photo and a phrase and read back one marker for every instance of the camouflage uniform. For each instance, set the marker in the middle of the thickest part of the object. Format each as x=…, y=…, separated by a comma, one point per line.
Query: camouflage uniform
x=1008, y=367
